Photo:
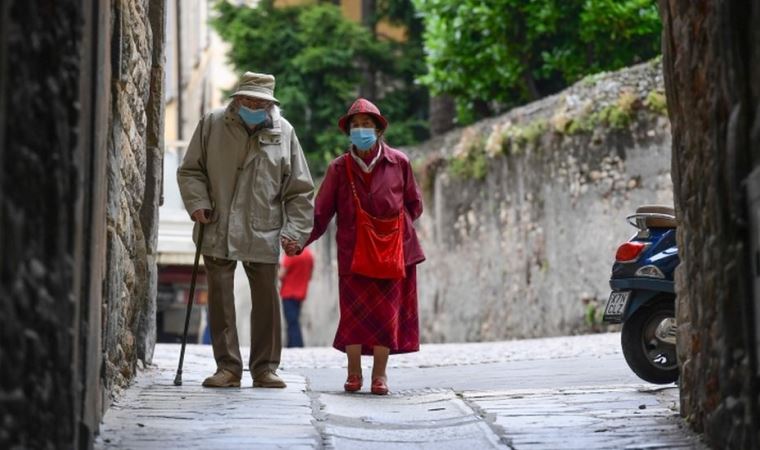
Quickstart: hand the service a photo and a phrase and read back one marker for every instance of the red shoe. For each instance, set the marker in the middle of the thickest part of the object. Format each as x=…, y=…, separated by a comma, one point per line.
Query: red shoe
x=379, y=387
x=353, y=383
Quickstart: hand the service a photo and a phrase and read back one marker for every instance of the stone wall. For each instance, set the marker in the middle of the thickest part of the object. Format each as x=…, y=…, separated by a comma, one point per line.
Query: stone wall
x=524, y=213
x=77, y=78
x=134, y=176
x=712, y=73
x=38, y=171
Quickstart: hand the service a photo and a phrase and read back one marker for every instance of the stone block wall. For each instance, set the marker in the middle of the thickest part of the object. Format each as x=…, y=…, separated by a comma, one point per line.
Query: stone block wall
x=134, y=180
x=524, y=212
x=712, y=74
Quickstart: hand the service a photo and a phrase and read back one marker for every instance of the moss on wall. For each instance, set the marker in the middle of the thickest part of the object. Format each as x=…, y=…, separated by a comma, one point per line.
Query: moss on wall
x=614, y=112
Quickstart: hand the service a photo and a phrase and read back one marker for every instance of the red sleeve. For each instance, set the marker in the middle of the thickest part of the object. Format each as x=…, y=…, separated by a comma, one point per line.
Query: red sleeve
x=325, y=204
x=412, y=194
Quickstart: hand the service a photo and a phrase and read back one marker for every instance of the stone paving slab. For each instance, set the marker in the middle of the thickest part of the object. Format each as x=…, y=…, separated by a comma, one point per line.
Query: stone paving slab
x=155, y=414
x=622, y=417
x=426, y=420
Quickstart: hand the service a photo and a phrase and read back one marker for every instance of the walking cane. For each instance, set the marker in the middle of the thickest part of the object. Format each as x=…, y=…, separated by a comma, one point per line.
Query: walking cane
x=178, y=377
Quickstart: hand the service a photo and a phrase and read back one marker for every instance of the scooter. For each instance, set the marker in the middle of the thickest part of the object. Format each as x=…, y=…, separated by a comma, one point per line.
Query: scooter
x=643, y=295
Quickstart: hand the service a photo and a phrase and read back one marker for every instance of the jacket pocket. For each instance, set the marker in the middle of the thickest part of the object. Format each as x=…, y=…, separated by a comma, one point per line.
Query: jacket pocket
x=266, y=213
x=268, y=168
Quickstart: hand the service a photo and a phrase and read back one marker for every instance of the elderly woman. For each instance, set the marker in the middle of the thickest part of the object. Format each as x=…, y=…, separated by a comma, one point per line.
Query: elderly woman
x=372, y=190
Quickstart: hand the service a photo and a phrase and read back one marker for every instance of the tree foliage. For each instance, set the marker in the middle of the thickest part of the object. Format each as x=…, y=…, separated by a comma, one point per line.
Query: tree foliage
x=320, y=61
x=494, y=54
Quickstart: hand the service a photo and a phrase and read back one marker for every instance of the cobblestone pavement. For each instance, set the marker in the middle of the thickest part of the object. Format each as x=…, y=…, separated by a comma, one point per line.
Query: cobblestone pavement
x=568, y=393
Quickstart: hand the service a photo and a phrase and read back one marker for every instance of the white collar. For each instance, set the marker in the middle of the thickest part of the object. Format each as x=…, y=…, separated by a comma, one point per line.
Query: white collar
x=367, y=168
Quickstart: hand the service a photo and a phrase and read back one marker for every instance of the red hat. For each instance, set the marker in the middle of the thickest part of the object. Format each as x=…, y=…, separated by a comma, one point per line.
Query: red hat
x=362, y=106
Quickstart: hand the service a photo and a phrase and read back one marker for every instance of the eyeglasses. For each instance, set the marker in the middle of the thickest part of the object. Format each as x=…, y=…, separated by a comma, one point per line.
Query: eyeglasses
x=254, y=103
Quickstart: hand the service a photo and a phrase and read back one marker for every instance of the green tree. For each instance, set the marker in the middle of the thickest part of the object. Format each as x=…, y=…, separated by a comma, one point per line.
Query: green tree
x=407, y=104
x=495, y=54
x=319, y=59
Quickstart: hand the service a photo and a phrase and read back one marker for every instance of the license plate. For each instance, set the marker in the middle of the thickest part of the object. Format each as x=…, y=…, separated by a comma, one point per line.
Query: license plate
x=616, y=305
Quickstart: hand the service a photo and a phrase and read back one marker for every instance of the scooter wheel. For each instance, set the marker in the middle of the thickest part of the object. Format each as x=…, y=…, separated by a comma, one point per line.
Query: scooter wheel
x=651, y=358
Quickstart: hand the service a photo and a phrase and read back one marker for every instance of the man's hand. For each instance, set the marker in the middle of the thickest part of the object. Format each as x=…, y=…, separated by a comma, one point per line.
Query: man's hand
x=289, y=245
x=202, y=215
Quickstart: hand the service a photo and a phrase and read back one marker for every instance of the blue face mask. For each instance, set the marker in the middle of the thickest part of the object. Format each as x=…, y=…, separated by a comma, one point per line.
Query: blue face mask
x=363, y=138
x=252, y=116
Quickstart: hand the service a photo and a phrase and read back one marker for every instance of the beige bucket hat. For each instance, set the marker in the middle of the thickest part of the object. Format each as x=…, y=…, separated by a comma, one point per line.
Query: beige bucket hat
x=256, y=85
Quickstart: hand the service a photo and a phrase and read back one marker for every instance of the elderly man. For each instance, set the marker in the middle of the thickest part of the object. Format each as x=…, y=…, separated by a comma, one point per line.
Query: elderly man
x=245, y=178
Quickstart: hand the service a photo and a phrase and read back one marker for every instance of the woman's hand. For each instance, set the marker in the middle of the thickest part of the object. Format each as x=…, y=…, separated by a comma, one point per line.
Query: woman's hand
x=290, y=246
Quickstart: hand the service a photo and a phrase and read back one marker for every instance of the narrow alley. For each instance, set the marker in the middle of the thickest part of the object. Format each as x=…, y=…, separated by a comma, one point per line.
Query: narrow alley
x=533, y=212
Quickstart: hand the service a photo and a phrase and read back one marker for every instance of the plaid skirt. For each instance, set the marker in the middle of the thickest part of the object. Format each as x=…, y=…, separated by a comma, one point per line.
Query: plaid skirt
x=378, y=312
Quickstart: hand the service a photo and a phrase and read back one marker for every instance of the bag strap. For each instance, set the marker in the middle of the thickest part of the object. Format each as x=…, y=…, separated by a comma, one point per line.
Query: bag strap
x=349, y=162
x=347, y=157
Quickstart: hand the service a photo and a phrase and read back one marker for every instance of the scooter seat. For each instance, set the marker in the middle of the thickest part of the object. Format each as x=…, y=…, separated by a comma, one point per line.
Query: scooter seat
x=658, y=216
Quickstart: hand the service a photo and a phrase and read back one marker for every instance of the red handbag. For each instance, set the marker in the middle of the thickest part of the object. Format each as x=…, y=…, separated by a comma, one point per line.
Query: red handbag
x=379, y=248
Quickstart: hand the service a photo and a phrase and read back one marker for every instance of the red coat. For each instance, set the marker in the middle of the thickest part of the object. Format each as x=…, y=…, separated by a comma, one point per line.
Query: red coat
x=391, y=188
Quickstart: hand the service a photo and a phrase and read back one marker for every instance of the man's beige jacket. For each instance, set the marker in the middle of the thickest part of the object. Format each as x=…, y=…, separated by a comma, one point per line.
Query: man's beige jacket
x=257, y=184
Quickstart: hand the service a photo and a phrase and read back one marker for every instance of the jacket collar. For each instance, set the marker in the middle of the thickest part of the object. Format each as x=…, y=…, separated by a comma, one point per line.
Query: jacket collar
x=388, y=154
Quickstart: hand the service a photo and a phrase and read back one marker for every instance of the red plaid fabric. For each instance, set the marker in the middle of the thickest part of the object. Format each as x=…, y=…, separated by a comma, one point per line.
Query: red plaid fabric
x=379, y=312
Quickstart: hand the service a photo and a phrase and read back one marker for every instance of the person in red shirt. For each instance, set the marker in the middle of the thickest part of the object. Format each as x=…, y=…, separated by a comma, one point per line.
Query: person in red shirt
x=295, y=274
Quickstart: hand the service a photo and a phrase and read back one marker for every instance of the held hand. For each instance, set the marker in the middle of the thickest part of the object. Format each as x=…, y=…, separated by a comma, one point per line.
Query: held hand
x=289, y=246
x=202, y=215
